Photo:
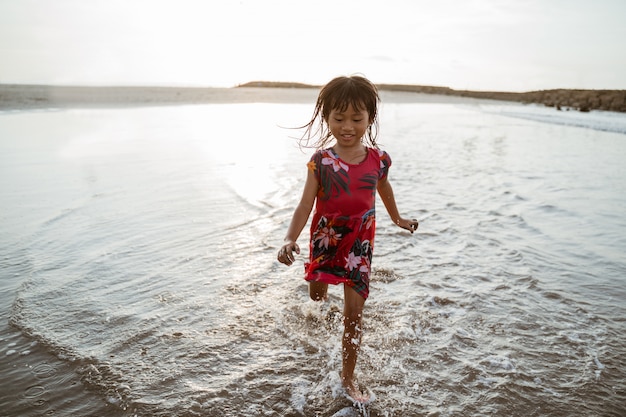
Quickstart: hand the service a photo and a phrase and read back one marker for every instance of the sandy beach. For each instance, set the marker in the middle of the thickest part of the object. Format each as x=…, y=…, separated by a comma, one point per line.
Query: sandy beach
x=25, y=97
x=30, y=97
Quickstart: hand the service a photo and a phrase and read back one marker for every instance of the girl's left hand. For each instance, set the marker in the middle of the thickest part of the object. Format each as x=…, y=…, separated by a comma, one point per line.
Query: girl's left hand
x=410, y=225
x=285, y=254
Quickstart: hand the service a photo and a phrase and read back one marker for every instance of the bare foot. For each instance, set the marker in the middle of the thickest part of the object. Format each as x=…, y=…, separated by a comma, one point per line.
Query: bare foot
x=354, y=392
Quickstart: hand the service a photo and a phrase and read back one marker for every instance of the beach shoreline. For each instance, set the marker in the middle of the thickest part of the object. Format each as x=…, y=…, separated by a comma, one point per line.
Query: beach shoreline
x=31, y=97
x=561, y=99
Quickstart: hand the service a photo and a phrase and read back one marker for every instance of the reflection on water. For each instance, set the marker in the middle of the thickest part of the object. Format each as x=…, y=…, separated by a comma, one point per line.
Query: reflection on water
x=138, y=251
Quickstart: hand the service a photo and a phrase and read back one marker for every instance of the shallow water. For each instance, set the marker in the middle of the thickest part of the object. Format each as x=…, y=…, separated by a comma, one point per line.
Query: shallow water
x=137, y=257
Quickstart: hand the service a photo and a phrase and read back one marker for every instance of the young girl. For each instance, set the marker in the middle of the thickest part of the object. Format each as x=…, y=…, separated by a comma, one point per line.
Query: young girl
x=342, y=181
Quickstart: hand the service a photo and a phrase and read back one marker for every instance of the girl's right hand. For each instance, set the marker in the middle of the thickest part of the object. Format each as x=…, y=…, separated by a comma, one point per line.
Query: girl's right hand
x=285, y=254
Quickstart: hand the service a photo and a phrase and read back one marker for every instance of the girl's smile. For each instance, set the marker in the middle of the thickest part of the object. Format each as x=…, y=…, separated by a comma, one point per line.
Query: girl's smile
x=349, y=126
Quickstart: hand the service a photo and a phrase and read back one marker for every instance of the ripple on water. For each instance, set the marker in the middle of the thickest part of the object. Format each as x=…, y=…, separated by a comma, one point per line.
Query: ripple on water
x=163, y=294
x=44, y=371
x=34, y=391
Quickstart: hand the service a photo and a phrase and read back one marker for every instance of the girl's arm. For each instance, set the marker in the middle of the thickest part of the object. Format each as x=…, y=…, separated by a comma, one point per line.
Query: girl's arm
x=385, y=191
x=299, y=219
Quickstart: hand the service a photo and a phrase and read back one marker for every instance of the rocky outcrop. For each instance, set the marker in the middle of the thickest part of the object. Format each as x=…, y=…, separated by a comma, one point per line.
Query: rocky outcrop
x=562, y=99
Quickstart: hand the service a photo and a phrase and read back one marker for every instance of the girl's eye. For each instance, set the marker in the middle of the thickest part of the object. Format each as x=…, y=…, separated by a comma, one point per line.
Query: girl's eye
x=338, y=120
x=357, y=121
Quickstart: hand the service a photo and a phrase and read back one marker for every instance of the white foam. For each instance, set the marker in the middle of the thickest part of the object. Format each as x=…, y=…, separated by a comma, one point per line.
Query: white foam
x=551, y=391
x=574, y=337
x=598, y=363
x=299, y=392
x=346, y=412
x=486, y=381
x=501, y=362
x=597, y=120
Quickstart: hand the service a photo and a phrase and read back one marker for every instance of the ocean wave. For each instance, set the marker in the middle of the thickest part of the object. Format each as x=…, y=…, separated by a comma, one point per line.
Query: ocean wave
x=597, y=120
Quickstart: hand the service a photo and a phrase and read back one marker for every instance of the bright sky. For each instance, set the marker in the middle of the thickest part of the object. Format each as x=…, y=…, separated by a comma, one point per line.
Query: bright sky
x=514, y=45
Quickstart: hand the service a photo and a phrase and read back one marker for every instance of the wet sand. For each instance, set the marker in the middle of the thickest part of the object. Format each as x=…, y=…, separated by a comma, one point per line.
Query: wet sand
x=25, y=97
x=32, y=97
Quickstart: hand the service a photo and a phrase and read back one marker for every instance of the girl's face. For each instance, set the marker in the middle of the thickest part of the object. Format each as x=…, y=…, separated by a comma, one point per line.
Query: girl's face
x=349, y=126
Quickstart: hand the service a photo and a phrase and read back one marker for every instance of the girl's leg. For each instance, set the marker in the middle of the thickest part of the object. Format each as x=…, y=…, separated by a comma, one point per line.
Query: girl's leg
x=351, y=343
x=318, y=291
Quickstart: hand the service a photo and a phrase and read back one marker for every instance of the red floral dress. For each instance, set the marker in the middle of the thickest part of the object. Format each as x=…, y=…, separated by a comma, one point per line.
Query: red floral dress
x=344, y=222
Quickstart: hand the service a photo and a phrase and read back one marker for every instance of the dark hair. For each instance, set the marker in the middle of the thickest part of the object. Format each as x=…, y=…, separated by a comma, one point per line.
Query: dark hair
x=338, y=94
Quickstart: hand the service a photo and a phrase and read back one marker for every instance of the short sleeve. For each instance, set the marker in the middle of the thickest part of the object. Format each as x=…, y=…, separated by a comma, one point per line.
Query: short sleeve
x=385, y=163
x=314, y=164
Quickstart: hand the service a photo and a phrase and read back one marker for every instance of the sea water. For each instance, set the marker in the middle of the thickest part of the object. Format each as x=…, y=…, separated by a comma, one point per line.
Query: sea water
x=139, y=275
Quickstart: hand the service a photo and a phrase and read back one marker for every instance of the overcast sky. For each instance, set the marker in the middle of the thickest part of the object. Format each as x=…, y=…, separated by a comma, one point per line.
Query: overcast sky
x=516, y=45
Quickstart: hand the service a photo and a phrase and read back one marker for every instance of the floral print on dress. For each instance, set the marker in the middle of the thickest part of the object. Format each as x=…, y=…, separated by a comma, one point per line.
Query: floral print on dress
x=358, y=261
x=335, y=162
x=332, y=181
x=344, y=222
x=327, y=236
x=385, y=163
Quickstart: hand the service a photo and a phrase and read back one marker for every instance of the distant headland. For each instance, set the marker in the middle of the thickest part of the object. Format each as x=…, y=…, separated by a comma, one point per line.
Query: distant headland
x=561, y=99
